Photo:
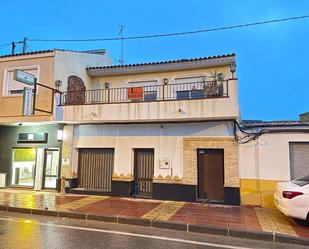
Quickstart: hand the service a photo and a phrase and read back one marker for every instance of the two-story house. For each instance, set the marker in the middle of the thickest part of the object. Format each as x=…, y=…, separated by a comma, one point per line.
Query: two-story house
x=160, y=130
x=30, y=146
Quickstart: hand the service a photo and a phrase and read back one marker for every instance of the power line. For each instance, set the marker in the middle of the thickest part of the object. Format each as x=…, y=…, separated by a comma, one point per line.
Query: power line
x=5, y=44
x=174, y=34
x=10, y=43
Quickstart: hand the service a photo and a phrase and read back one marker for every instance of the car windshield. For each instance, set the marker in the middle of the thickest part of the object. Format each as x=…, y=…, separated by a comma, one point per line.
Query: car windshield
x=302, y=181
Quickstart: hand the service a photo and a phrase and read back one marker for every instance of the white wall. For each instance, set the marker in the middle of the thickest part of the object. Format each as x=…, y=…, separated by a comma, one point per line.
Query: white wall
x=69, y=63
x=74, y=63
x=166, y=139
x=268, y=157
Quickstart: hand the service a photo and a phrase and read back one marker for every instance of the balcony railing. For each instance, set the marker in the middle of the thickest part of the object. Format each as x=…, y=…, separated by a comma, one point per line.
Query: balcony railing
x=180, y=91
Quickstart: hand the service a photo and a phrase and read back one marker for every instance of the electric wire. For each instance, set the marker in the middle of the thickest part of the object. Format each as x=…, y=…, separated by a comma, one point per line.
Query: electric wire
x=173, y=34
x=251, y=136
x=5, y=44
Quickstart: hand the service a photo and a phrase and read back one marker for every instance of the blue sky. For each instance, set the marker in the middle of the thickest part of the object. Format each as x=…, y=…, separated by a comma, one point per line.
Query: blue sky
x=272, y=60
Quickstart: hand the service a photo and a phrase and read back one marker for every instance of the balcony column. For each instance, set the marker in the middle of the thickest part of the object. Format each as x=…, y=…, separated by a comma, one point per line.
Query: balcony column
x=68, y=167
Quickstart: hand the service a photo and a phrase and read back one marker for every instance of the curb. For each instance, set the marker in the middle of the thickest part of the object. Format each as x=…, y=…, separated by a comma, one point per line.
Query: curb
x=204, y=229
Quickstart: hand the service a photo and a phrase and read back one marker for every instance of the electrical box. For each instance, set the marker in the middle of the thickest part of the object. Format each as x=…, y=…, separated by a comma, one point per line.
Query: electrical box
x=165, y=164
x=2, y=180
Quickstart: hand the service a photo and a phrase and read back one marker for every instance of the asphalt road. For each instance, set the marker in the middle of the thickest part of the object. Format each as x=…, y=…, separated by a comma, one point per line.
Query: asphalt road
x=20, y=231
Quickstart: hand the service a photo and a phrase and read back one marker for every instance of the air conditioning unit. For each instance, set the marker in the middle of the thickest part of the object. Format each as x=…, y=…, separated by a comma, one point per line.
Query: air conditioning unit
x=2, y=180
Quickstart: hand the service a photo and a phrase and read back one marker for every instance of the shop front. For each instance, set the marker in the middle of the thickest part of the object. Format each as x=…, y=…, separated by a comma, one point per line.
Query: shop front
x=30, y=156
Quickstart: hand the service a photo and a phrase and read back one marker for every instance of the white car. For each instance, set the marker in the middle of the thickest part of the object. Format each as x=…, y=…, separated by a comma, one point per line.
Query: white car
x=292, y=198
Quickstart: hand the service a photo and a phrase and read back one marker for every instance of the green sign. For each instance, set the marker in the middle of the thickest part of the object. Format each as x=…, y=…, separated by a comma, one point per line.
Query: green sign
x=27, y=101
x=24, y=77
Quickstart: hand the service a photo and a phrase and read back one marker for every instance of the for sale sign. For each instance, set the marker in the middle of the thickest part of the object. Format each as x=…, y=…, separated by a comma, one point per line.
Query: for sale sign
x=135, y=93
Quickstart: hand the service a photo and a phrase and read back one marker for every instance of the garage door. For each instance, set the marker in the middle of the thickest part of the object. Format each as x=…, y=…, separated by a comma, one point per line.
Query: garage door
x=96, y=169
x=299, y=160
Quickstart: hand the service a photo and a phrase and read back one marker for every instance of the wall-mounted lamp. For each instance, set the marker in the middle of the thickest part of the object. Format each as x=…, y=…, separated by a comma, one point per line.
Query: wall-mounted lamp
x=60, y=135
x=165, y=81
x=233, y=69
x=58, y=84
x=106, y=85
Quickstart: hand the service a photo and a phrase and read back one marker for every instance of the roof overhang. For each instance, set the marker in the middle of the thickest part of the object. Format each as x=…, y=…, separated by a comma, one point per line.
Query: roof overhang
x=162, y=66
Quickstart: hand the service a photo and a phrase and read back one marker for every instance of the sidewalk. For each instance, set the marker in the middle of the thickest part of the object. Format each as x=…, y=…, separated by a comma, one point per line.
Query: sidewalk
x=250, y=222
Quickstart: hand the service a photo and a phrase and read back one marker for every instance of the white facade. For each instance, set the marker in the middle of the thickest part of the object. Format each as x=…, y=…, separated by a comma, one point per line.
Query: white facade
x=264, y=162
x=166, y=139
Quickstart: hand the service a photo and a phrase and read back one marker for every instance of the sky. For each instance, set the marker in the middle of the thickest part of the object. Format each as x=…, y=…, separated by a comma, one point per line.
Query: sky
x=272, y=60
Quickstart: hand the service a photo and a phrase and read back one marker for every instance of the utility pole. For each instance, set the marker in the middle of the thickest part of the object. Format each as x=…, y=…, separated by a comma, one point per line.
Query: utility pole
x=25, y=45
x=121, y=36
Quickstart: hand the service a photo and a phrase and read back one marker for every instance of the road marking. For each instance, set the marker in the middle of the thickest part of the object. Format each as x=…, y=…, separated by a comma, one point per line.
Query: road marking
x=273, y=221
x=126, y=234
x=164, y=211
x=81, y=202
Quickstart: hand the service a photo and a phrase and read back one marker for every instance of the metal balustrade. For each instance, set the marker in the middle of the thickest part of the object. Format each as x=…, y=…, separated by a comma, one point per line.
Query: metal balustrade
x=180, y=91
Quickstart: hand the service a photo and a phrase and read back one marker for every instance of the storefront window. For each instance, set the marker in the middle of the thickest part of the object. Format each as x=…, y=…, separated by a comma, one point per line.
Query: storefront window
x=23, y=166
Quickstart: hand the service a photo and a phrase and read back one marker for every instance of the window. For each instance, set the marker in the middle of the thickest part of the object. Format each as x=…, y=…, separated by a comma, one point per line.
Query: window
x=23, y=166
x=13, y=87
x=150, y=88
x=189, y=87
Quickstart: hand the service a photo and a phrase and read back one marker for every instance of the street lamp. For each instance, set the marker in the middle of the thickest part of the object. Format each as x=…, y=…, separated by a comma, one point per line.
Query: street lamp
x=58, y=84
x=233, y=69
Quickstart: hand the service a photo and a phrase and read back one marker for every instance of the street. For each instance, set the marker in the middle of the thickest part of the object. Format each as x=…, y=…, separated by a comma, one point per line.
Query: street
x=30, y=231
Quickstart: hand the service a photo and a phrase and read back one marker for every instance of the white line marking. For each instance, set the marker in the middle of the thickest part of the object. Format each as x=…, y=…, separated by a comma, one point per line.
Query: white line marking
x=127, y=234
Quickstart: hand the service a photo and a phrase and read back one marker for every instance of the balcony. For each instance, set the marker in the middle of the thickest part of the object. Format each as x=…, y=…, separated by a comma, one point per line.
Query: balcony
x=195, y=100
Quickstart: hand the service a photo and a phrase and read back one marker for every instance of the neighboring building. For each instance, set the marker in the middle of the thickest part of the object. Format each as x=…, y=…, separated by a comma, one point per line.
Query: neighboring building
x=30, y=150
x=161, y=130
x=304, y=117
x=279, y=153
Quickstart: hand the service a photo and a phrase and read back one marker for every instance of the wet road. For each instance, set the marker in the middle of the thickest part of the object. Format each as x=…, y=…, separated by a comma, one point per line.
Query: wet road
x=34, y=232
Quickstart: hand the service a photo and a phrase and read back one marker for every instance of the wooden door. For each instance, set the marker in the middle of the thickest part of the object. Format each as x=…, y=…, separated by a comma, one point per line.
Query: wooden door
x=211, y=174
x=144, y=170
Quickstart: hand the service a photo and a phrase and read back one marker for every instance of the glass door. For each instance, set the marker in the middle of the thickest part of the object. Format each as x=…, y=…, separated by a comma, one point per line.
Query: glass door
x=51, y=166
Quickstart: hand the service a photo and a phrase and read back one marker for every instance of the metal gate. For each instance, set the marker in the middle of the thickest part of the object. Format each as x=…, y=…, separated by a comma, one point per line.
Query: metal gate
x=143, y=170
x=95, y=169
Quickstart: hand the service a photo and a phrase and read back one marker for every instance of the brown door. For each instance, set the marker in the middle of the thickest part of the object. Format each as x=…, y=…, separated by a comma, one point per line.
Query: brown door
x=211, y=174
x=95, y=169
x=143, y=171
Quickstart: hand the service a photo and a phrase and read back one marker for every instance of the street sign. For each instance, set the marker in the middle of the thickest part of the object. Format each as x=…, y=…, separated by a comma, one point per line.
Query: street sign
x=27, y=101
x=24, y=77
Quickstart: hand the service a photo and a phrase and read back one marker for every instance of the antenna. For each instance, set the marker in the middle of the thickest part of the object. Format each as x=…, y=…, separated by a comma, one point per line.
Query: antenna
x=25, y=45
x=13, y=47
x=121, y=43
